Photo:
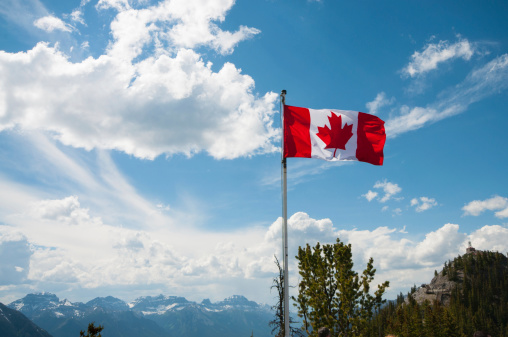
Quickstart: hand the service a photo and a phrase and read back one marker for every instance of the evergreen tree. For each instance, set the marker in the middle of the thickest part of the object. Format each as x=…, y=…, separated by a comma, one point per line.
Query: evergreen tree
x=93, y=331
x=478, y=302
x=332, y=294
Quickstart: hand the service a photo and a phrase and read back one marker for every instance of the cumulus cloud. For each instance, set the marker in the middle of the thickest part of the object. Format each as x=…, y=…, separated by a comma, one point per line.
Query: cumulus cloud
x=370, y=195
x=423, y=203
x=389, y=189
x=496, y=203
x=441, y=244
x=434, y=54
x=89, y=253
x=72, y=247
x=51, y=23
x=66, y=210
x=488, y=80
x=178, y=24
x=491, y=238
x=149, y=94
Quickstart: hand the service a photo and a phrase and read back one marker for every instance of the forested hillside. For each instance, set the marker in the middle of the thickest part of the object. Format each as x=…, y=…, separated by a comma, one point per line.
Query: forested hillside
x=476, y=300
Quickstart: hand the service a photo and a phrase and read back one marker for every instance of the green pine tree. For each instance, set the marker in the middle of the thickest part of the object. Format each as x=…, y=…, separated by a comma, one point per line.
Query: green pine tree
x=332, y=294
x=93, y=331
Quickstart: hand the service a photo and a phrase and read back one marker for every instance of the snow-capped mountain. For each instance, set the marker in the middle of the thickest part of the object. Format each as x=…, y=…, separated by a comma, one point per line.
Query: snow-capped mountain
x=238, y=301
x=109, y=303
x=162, y=315
x=32, y=304
x=158, y=305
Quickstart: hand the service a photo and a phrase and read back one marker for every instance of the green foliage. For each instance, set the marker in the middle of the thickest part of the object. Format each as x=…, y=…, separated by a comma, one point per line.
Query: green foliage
x=479, y=302
x=415, y=320
x=93, y=331
x=332, y=294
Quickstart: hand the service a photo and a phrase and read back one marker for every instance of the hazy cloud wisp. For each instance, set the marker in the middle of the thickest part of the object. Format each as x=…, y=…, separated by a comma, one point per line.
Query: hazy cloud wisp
x=490, y=79
x=435, y=53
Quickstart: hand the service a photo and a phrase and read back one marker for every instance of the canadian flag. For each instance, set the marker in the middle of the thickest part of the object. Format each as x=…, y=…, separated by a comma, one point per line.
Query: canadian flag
x=333, y=135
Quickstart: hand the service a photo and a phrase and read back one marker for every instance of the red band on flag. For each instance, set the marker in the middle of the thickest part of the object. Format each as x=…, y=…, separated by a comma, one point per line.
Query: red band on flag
x=371, y=139
x=296, y=132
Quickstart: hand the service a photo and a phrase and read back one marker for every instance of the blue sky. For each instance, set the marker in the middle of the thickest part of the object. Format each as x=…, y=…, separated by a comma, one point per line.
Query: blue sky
x=140, y=141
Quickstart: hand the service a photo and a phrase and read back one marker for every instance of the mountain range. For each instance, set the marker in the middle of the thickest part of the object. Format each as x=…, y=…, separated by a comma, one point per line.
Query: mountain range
x=13, y=323
x=149, y=316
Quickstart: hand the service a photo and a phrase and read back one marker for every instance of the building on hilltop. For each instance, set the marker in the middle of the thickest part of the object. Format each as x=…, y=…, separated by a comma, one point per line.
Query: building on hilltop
x=470, y=249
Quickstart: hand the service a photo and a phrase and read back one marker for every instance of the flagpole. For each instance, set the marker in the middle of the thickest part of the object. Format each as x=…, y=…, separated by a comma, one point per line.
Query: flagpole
x=285, y=286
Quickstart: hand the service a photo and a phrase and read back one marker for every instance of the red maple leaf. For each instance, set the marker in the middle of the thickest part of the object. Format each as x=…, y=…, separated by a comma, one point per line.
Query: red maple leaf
x=335, y=137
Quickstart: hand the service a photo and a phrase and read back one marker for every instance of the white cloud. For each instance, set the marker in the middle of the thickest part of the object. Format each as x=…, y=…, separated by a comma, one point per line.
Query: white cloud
x=433, y=54
x=496, y=203
x=488, y=80
x=226, y=41
x=491, y=238
x=66, y=210
x=178, y=24
x=119, y=5
x=168, y=102
x=77, y=16
x=51, y=23
x=390, y=189
x=89, y=253
x=423, y=203
x=93, y=178
x=379, y=102
x=503, y=213
x=442, y=244
x=414, y=118
x=370, y=195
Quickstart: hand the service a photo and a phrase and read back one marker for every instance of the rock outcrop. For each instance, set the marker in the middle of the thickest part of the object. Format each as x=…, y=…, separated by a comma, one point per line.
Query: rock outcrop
x=439, y=289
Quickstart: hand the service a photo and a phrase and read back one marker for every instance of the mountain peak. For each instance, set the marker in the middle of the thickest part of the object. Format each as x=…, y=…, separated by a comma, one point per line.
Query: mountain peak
x=36, y=301
x=237, y=300
x=149, y=305
x=108, y=303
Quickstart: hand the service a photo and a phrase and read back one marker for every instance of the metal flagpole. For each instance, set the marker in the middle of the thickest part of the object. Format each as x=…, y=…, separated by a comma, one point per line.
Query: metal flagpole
x=285, y=222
